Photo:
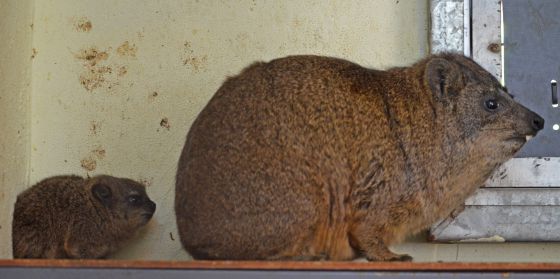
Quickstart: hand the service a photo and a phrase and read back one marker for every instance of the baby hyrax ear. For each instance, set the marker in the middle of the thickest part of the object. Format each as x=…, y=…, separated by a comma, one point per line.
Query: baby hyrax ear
x=444, y=78
x=102, y=192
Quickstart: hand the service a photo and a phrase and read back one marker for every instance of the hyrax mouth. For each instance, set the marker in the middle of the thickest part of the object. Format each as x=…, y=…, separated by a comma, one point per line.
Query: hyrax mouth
x=520, y=138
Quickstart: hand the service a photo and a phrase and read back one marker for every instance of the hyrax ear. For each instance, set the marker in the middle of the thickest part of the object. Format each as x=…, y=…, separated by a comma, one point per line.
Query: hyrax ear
x=444, y=78
x=102, y=192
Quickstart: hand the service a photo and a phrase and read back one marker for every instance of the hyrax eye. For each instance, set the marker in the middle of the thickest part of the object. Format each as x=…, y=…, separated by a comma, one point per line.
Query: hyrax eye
x=491, y=104
x=134, y=199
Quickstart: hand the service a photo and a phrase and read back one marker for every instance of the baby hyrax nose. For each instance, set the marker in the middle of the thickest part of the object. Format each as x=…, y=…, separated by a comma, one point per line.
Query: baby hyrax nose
x=538, y=123
x=152, y=206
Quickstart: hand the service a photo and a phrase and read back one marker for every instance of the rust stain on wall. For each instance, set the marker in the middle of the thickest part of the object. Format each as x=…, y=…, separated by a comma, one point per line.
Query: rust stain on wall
x=99, y=152
x=195, y=62
x=98, y=72
x=33, y=53
x=91, y=56
x=94, y=75
x=165, y=123
x=253, y=5
x=88, y=164
x=83, y=25
x=95, y=127
x=126, y=49
x=123, y=70
x=152, y=96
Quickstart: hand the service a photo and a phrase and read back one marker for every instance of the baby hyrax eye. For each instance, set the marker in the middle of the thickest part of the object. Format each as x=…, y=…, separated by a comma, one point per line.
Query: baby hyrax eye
x=491, y=104
x=134, y=199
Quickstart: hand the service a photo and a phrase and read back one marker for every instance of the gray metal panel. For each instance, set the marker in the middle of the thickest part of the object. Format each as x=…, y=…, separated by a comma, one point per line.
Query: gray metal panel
x=532, y=60
x=60, y=273
x=505, y=214
x=516, y=197
x=448, y=26
x=532, y=40
x=527, y=172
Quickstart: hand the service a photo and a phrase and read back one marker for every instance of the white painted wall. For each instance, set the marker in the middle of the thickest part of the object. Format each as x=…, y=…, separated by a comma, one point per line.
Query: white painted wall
x=16, y=17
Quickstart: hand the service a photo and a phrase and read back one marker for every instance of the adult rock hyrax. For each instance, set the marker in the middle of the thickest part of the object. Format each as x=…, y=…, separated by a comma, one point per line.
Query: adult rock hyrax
x=309, y=157
x=73, y=217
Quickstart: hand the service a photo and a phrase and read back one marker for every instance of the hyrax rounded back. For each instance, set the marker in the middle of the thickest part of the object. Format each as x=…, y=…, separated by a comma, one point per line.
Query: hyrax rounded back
x=72, y=217
x=309, y=157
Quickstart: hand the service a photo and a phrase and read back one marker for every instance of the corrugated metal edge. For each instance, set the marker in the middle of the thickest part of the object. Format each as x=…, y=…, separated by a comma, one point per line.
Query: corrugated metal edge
x=515, y=197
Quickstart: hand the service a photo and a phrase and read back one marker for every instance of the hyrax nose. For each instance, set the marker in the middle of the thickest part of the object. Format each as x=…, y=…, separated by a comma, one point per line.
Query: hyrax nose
x=152, y=206
x=538, y=123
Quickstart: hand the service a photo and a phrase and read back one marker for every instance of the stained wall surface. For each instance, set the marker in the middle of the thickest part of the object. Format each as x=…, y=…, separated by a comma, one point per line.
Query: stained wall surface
x=91, y=87
x=16, y=17
x=116, y=84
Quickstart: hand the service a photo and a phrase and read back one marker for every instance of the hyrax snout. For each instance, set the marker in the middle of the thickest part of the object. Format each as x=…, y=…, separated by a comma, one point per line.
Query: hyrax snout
x=73, y=217
x=309, y=157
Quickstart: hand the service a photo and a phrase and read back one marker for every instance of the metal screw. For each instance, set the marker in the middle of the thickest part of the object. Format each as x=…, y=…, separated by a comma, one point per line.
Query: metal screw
x=494, y=47
x=553, y=85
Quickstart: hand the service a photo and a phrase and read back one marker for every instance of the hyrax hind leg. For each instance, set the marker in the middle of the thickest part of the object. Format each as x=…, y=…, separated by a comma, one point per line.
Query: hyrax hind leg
x=370, y=242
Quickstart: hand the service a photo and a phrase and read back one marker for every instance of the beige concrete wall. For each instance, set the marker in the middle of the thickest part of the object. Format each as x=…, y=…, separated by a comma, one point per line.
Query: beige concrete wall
x=16, y=17
x=118, y=83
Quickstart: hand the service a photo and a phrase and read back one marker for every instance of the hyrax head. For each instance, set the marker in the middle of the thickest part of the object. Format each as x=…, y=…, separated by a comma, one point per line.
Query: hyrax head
x=126, y=200
x=478, y=109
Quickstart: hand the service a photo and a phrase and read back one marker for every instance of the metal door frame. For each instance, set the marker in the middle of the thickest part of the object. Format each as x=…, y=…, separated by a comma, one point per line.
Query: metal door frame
x=474, y=28
x=481, y=34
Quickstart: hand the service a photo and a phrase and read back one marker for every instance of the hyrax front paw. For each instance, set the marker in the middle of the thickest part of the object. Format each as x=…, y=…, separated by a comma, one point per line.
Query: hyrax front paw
x=380, y=252
x=391, y=258
x=401, y=258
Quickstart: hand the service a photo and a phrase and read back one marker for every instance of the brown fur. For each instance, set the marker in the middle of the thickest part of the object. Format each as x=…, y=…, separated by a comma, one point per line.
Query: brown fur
x=72, y=217
x=309, y=157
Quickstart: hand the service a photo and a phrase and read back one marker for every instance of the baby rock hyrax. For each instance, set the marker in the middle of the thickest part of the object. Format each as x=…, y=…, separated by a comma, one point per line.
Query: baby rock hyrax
x=309, y=157
x=73, y=217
